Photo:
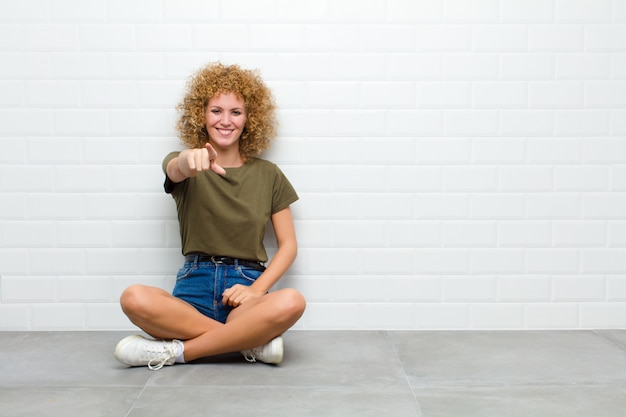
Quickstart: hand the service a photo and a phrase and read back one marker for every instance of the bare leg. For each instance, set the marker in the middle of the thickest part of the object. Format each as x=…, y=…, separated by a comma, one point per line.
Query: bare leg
x=249, y=325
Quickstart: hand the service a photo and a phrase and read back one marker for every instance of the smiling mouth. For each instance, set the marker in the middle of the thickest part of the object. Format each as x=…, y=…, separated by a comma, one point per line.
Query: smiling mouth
x=225, y=132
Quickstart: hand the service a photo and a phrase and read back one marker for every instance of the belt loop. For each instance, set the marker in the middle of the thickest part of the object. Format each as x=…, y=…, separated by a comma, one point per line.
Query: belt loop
x=236, y=263
x=195, y=261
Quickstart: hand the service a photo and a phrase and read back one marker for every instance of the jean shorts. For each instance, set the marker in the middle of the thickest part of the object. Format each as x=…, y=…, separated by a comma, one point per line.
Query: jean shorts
x=202, y=284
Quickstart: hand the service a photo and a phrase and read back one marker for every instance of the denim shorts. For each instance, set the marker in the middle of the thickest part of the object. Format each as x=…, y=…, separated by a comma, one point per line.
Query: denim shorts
x=202, y=284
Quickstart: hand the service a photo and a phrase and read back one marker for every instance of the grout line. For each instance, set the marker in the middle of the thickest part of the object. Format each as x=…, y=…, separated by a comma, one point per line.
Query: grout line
x=406, y=377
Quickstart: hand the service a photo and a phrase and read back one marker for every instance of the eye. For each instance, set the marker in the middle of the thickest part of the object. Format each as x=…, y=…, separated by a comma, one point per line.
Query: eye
x=215, y=111
x=236, y=112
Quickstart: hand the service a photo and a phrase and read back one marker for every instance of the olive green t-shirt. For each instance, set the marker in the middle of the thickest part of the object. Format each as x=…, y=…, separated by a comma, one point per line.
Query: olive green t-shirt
x=228, y=215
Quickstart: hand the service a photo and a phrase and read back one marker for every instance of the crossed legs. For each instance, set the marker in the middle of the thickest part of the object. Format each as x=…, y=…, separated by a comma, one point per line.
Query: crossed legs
x=250, y=325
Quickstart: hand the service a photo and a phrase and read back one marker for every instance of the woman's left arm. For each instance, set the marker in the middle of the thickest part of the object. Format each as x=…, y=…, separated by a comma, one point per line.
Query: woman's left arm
x=285, y=231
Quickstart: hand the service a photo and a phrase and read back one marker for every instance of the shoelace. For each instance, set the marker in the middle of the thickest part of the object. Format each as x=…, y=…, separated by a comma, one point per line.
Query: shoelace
x=162, y=360
x=249, y=356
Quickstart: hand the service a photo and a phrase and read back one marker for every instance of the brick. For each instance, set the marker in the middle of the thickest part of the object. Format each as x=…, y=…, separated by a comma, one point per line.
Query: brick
x=51, y=37
x=109, y=94
x=22, y=66
x=605, y=38
x=27, y=234
x=413, y=234
x=471, y=66
x=579, y=233
x=583, y=11
x=359, y=234
x=326, y=37
x=412, y=289
x=82, y=234
x=414, y=122
x=526, y=123
x=498, y=151
x=275, y=37
x=107, y=37
x=602, y=315
x=579, y=289
x=469, y=289
x=442, y=206
x=437, y=316
x=387, y=38
x=527, y=66
x=49, y=94
x=581, y=178
x=138, y=11
x=557, y=94
x=407, y=10
x=82, y=65
x=616, y=288
x=604, y=150
x=554, y=150
x=472, y=10
x=551, y=316
x=76, y=10
x=603, y=261
x=443, y=38
x=89, y=289
x=557, y=38
x=497, y=261
x=27, y=11
x=57, y=316
x=469, y=234
x=470, y=178
x=386, y=261
x=422, y=66
x=617, y=233
x=385, y=206
x=444, y=94
x=20, y=289
x=471, y=123
x=582, y=66
x=523, y=234
x=581, y=122
x=490, y=94
x=496, y=316
x=605, y=94
x=552, y=261
x=387, y=316
x=526, y=178
x=526, y=11
x=442, y=261
x=524, y=288
x=440, y=150
x=388, y=95
x=553, y=206
x=604, y=205
x=497, y=206
x=414, y=178
x=495, y=38
x=190, y=10
x=331, y=95
x=360, y=179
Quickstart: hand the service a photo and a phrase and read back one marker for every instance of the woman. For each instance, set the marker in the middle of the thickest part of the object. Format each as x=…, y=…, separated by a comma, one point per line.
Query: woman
x=225, y=197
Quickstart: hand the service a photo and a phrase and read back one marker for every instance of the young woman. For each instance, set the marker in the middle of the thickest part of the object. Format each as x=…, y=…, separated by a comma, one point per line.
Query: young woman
x=225, y=196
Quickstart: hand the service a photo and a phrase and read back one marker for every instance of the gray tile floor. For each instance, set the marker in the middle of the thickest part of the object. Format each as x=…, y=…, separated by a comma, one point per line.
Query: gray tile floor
x=327, y=373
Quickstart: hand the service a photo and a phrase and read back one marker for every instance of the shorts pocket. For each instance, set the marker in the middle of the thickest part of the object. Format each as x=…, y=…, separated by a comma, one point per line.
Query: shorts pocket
x=248, y=274
x=184, y=272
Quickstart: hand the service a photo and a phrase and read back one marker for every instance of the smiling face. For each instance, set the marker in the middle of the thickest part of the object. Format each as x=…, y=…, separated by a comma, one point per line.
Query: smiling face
x=225, y=120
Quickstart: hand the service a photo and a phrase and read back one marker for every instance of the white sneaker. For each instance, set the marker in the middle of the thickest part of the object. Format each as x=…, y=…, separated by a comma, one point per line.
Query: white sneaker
x=269, y=353
x=137, y=350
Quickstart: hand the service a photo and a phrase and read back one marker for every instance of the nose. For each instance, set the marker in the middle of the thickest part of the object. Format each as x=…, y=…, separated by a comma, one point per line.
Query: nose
x=225, y=119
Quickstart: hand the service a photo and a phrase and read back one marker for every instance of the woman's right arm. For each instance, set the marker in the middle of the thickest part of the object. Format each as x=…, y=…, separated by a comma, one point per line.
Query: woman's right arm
x=191, y=162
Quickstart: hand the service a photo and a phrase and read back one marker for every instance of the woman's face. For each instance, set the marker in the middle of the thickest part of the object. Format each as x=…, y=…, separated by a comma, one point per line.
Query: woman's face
x=225, y=120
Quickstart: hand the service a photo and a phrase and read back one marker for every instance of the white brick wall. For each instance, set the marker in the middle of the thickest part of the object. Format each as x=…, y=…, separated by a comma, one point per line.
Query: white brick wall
x=461, y=163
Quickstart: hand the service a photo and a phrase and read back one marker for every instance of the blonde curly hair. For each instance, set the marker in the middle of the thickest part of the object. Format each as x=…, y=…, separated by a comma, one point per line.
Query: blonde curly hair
x=214, y=79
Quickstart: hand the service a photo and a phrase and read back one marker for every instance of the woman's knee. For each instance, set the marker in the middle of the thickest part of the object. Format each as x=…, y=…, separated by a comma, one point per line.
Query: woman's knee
x=292, y=303
x=134, y=299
